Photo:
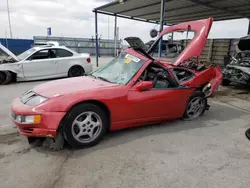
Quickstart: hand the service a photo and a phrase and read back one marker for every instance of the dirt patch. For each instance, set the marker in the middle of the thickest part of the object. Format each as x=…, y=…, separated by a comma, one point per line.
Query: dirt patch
x=240, y=92
x=2, y=155
x=9, y=138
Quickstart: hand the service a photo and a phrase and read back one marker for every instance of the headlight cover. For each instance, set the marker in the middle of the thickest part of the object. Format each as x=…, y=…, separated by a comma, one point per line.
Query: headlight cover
x=36, y=100
x=31, y=98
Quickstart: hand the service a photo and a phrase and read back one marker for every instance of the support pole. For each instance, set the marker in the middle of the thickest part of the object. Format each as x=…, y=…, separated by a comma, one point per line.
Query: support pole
x=8, y=10
x=115, y=35
x=248, y=27
x=96, y=40
x=161, y=24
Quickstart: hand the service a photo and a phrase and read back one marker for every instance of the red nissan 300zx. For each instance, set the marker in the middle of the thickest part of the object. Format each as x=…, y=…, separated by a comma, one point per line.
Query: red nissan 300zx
x=136, y=88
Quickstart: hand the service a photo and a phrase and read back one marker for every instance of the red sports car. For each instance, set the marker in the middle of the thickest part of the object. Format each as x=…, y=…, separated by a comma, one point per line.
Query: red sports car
x=134, y=89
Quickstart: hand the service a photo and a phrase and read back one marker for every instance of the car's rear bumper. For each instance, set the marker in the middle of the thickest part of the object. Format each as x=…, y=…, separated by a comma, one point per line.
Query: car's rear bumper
x=47, y=126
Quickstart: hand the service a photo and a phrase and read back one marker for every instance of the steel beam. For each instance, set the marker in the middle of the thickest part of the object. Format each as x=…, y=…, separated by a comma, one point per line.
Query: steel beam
x=96, y=40
x=127, y=17
x=226, y=10
x=179, y=9
x=145, y=6
x=248, y=32
x=161, y=25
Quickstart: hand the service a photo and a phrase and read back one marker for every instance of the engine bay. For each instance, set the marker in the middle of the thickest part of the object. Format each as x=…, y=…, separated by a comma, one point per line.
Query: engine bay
x=241, y=59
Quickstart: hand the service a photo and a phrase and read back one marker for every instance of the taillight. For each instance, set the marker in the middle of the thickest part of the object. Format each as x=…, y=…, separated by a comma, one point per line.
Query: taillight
x=88, y=60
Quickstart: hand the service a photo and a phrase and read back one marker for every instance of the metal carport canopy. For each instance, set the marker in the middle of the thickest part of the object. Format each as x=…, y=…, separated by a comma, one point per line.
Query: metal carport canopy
x=169, y=12
x=177, y=11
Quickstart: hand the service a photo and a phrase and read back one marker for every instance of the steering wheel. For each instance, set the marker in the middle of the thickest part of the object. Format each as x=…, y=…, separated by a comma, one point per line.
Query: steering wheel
x=154, y=80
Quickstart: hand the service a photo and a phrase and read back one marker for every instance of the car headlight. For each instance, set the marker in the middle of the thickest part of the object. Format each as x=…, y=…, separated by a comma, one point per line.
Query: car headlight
x=36, y=100
x=29, y=119
x=32, y=119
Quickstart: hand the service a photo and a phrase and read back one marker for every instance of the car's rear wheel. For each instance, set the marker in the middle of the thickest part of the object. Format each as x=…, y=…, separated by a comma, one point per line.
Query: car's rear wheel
x=196, y=106
x=76, y=71
x=85, y=125
x=5, y=77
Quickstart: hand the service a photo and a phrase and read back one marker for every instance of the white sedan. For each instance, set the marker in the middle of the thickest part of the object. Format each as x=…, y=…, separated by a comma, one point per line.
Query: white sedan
x=42, y=62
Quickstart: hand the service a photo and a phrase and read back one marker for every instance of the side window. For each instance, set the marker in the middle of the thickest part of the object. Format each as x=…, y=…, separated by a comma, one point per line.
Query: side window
x=63, y=53
x=43, y=54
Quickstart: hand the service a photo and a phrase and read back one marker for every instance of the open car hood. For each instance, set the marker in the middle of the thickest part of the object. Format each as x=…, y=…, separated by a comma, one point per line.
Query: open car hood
x=136, y=43
x=195, y=47
x=4, y=53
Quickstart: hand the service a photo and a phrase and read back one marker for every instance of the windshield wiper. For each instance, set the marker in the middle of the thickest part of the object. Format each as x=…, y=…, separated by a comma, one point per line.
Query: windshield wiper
x=104, y=79
x=91, y=75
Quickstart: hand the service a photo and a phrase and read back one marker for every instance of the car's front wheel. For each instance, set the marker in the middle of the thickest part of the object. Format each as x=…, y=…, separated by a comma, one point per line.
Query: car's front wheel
x=196, y=106
x=85, y=125
x=5, y=77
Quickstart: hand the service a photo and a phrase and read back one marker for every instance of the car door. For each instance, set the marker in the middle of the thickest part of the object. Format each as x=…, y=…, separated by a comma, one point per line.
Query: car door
x=64, y=58
x=158, y=103
x=40, y=65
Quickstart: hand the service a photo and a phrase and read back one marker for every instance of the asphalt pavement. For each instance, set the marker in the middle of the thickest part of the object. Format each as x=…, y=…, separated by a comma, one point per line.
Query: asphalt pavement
x=211, y=151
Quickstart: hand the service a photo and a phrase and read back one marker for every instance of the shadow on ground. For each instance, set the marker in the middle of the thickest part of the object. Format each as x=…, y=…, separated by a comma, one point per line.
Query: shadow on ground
x=217, y=113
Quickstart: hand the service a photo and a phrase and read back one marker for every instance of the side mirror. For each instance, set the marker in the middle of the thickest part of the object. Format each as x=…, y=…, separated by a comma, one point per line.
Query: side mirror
x=153, y=33
x=144, y=85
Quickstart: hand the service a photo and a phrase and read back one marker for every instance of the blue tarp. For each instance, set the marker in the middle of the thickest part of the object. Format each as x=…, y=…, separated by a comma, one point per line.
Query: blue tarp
x=17, y=46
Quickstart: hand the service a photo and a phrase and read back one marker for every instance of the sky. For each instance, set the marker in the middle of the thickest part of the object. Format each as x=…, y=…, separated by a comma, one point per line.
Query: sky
x=74, y=18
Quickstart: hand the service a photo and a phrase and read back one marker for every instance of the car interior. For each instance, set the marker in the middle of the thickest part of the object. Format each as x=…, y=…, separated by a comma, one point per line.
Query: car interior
x=159, y=76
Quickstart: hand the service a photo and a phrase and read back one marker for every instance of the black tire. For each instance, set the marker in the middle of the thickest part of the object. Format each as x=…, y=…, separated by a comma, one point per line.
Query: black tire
x=72, y=116
x=225, y=82
x=5, y=77
x=76, y=71
x=247, y=133
x=196, y=94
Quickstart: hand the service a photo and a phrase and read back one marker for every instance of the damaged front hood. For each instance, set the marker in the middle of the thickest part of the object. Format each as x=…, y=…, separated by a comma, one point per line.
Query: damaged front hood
x=70, y=85
x=136, y=43
x=5, y=53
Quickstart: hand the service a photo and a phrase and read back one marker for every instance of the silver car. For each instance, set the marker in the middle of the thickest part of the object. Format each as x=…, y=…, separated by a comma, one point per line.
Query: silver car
x=42, y=62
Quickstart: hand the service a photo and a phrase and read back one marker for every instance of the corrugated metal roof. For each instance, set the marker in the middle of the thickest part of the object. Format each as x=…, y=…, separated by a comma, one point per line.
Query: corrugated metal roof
x=177, y=11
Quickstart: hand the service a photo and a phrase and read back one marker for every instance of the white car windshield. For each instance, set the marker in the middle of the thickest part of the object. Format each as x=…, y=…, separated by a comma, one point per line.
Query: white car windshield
x=120, y=70
x=25, y=54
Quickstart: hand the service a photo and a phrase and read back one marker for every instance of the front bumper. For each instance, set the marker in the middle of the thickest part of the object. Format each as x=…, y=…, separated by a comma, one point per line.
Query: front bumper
x=46, y=128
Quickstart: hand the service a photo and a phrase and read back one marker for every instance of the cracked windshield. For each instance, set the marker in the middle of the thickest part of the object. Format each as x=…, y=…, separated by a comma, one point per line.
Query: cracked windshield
x=121, y=69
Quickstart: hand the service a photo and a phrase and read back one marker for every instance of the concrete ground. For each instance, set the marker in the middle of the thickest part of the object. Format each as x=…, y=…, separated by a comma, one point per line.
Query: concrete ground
x=211, y=151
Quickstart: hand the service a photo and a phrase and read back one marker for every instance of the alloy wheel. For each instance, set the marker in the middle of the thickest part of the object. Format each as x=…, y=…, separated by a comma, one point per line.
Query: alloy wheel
x=86, y=127
x=195, y=107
